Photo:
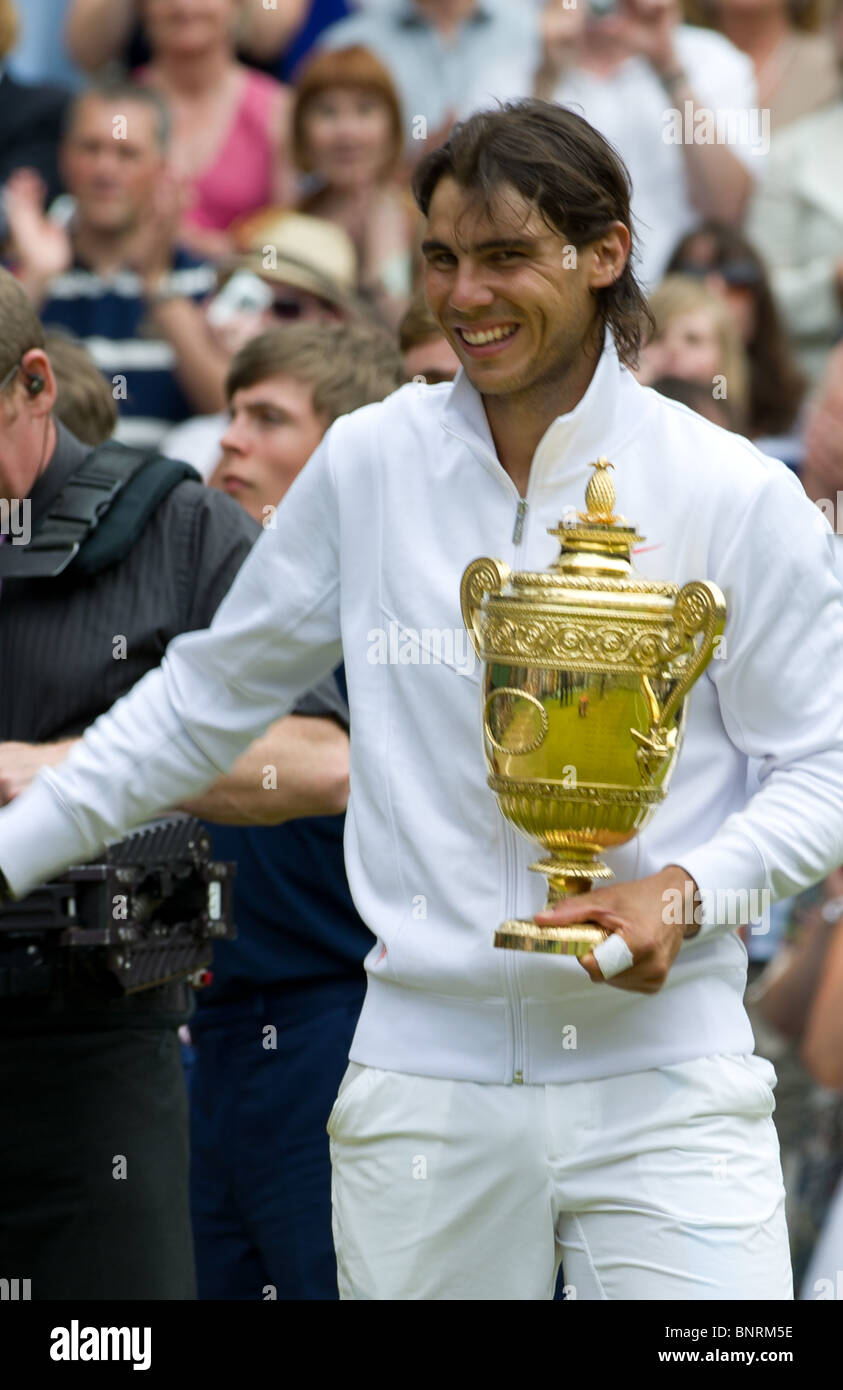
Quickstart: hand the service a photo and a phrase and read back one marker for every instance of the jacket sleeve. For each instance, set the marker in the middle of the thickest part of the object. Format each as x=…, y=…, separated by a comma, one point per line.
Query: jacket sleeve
x=275, y=635
x=780, y=689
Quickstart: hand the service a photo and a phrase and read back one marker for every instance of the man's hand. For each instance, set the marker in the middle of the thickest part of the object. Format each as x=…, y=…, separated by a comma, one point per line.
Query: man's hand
x=40, y=248
x=150, y=251
x=636, y=912
x=19, y=763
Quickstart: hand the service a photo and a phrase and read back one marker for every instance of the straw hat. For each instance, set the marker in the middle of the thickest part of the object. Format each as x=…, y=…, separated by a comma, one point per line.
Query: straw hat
x=292, y=248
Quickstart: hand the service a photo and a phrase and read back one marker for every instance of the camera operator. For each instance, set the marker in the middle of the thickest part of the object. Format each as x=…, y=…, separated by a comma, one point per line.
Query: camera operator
x=93, y=1116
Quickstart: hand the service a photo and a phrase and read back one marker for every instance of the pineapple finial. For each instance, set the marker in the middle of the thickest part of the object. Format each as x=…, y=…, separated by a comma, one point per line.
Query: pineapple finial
x=600, y=493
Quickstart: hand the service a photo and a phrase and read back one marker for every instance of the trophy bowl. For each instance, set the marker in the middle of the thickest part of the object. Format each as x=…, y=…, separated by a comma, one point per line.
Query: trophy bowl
x=586, y=670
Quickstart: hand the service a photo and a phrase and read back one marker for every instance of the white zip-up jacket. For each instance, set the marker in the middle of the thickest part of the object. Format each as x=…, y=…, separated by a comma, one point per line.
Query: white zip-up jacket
x=364, y=562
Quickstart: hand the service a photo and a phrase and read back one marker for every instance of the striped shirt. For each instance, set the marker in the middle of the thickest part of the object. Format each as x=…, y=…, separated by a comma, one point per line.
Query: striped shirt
x=109, y=314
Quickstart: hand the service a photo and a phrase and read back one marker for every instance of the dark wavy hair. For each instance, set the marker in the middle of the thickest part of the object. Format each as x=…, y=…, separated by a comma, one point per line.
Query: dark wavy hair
x=562, y=166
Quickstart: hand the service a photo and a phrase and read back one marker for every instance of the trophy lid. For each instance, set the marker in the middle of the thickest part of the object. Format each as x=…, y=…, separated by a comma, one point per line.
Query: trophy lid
x=599, y=531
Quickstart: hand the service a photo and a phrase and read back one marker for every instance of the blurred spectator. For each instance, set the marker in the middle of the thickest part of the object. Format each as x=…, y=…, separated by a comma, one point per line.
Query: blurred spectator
x=41, y=54
x=798, y=999
x=822, y=466
x=447, y=58
x=796, y=221
x=320, y=14
x=260, y=1160
x=632, y=74
x=695, y=339
x=84, y=403
x=229, y=141
x=728, y=265
x=117, y=278
x=795, y=65
x=30, y=116
x=99, y=32
x=347, y=136
x=425, y=351
x=294, y=268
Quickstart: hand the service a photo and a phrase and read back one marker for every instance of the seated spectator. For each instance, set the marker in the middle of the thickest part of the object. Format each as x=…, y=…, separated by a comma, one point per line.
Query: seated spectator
x=229, y=140
x=695, y=339
x=273, y=1030
x=795, y=65
x=84, y=403
x=347, y=137
x=294, y=268
x=447, y=58
x=30, y=116
x=728, y=265
x=117, y=278
x=425, y=351
x=632, y=75
x=796, y=221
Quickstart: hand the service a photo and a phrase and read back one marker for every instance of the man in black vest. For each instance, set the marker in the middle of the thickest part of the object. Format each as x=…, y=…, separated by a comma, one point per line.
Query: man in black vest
x=93, y=1123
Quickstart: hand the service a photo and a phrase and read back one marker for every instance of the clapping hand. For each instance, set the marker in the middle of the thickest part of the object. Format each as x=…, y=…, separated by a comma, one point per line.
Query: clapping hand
x=40, y=248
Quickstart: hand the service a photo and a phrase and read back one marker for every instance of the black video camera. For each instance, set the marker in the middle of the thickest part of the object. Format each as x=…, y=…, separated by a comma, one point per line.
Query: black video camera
x=147, y=913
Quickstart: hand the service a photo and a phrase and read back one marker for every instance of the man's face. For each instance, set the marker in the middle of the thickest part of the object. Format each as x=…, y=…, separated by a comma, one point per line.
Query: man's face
x=26, y=437
x=112, y=178
x=511, y=296
x=273, y=432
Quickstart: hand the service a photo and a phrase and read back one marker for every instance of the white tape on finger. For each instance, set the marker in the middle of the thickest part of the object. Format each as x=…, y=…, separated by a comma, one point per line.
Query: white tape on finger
x=613, y=956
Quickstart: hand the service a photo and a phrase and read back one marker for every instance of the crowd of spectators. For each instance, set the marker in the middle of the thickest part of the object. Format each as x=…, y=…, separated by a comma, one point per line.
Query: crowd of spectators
x=178, y=176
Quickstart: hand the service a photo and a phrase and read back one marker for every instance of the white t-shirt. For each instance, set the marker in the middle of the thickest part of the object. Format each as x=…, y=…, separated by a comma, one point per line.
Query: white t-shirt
x=630, y=108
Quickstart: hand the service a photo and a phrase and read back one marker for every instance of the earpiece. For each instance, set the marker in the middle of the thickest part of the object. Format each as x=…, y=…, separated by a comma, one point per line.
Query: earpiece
x=35, y=385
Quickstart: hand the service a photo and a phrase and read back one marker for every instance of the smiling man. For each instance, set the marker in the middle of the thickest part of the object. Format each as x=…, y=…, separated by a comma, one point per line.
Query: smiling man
x=473, y=1146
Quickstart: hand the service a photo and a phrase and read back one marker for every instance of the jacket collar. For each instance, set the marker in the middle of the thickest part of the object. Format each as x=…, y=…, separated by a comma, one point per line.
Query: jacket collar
x=601, y=419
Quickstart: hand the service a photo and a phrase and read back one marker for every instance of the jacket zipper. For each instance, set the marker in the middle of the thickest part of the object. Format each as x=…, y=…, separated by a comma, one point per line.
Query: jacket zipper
x=520, y=514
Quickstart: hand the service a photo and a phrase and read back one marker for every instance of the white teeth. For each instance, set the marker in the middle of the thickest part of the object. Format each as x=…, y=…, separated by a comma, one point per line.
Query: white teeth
x=491, y=335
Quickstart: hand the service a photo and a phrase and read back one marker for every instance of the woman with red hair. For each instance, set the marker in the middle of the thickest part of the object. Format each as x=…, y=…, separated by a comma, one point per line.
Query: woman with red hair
x=347, y=138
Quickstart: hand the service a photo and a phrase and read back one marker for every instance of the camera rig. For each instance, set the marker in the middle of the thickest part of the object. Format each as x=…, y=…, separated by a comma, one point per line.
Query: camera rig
x=146, y=913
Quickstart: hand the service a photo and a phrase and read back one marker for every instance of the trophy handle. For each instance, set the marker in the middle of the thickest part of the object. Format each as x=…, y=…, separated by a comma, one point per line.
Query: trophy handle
x=482, y=577
x=700, y=611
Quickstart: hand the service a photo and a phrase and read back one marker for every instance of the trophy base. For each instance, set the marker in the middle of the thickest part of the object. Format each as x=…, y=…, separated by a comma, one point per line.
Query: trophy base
x=521, y=935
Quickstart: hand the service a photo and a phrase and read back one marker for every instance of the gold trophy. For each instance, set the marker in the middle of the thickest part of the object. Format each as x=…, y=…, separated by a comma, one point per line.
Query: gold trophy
x=587, y=667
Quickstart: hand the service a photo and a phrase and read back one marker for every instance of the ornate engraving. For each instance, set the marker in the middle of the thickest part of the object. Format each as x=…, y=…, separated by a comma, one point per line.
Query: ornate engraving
x=598, y=795
x=636, y=646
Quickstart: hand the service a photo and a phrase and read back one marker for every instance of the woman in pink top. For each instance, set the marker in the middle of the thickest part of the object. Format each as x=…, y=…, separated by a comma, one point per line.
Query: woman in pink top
x=228, y=144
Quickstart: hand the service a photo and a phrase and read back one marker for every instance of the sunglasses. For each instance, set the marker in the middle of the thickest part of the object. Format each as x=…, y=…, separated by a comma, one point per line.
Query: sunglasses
x=739, y=274
x=286, y=309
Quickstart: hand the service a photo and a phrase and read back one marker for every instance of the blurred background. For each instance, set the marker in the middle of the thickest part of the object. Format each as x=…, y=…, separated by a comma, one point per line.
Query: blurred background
x=176, y=176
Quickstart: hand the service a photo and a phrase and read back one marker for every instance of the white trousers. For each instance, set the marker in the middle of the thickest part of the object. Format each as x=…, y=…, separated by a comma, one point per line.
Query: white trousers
x=663, y=1184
